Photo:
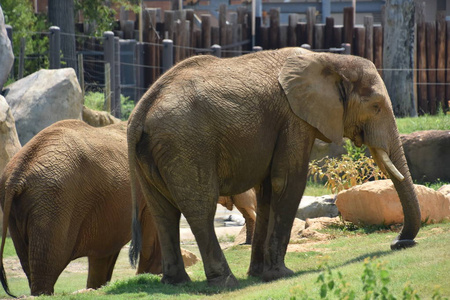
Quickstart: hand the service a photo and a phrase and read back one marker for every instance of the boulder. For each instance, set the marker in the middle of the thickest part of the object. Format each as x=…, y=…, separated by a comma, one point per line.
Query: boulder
x=43, y=98
x=377, y=203
x=189, y=258
x=445, y=189
x=427, y=154
x=315, y=207
x=98, y=118
x=6, y=52
x=9, y=141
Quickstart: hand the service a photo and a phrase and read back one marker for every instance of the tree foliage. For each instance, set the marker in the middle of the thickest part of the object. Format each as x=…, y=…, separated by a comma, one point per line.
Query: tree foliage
x=26, y=24
x=99, y=15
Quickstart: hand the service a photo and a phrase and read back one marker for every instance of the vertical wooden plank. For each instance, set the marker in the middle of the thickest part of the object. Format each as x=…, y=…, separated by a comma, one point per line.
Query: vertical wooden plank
x=431, y=65
x=441, y=43
x=169, y=24
x=319, y=32
x=292, y=28
x=422, y=78
x=338, y=32
x=190, y=32
x=282, y=41
x=359, y=40
x=274, y=30
x=243, y=18
x=378, y=48
x=302, y=35
x=310, y=21
x=206, y=31
x=215, y=35
x=328, y=38
x=447, y=76
x=265, y=37
x=233, y=39
x=368, y=24
x=349, y=24
x=223, y=24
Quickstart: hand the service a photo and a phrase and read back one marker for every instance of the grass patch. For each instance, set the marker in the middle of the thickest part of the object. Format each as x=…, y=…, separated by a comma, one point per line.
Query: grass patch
x=420, y=270
x=315, y=189
x=96, y=100
x=440, y=121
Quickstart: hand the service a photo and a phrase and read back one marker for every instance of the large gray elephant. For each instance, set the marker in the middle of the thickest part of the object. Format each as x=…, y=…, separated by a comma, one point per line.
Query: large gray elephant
x=211, y=127
x=66, y=194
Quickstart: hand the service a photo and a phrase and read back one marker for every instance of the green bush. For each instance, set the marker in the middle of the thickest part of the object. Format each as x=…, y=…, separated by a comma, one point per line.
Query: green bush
x=96, y=101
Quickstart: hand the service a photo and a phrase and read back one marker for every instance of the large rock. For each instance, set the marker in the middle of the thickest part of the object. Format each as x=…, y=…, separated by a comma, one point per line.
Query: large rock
x=445, y=189
x=9, y=141
x=316, y=207
x=427, y=153
x=6, y=52
x=43, y=98
x=377, y=203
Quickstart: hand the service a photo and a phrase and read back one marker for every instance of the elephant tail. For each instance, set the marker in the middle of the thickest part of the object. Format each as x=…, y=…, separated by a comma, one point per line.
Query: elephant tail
x=9, y=194
x=136, y=234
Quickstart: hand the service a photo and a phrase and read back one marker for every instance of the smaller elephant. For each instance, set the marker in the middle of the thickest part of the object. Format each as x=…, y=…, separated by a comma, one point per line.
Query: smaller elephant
x=66, y=194
x=246, y=204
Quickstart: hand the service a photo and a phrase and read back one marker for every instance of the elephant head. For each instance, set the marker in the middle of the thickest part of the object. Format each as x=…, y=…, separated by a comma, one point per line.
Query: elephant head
x=344, y=96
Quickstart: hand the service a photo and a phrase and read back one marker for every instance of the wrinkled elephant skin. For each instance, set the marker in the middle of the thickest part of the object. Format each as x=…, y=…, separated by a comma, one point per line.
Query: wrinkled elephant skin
x=213, y=127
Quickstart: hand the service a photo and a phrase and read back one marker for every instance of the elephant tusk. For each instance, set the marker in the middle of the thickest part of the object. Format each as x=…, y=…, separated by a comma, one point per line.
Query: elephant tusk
x=389, y=165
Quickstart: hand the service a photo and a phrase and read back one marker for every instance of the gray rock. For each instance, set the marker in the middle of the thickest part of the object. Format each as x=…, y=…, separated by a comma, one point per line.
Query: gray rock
x=6, y=52
x=316, y=207
x=44, y=98
x=427, y=154
x=9, y=141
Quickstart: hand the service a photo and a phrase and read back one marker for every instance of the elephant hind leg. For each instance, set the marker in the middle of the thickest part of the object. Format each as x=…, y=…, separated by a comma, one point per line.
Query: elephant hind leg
x=100, y=270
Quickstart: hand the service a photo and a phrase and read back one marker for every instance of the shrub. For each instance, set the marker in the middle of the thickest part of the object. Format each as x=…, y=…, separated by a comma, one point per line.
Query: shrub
x=351, y=169
x=96, y=101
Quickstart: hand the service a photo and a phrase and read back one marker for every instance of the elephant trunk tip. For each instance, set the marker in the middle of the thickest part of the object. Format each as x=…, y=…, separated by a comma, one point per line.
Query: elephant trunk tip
x=402, y=244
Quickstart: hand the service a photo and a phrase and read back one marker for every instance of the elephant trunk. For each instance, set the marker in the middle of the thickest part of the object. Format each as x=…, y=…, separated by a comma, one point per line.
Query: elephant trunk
x=405, y=188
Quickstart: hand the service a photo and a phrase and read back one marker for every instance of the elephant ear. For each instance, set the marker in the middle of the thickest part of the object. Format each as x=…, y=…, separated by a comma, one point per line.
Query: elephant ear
x=315, y=92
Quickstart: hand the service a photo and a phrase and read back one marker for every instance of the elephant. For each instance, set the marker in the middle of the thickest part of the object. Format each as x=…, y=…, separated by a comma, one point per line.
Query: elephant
x=246, y=204
x=66, y=194
x=212, y=127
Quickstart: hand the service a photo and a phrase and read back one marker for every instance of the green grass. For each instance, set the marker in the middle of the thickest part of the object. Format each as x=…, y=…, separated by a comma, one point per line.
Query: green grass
x=316, y=189
x=440, y=121
x=95, y=101
x=423, y=267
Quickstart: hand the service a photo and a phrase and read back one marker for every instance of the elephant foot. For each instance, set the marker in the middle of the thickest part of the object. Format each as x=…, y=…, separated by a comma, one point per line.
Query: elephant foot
x=277, y=273
x=402, y=244
x=181, y=278
x=227, y=281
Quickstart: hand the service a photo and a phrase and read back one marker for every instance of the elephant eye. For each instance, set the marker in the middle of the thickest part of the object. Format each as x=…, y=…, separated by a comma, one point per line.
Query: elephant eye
x=376, y=108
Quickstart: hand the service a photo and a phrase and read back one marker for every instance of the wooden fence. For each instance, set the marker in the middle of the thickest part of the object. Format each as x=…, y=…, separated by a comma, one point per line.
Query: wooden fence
x=192, y=34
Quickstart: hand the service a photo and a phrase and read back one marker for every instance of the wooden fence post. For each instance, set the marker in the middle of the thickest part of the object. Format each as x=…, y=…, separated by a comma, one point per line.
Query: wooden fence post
x=81, y=73
x=328, y=38
x=167, y=54
x=292, y=34
x=319, y=32
x=338, y=31
x=140, y=82
x=55, y=48
x=206, y=31
x=349, y=24
x=421, y=61
x=108, y=90
x=359, y=40
x=117, y=111
x=447, y=92
x=108, y=48
x=378, y=48
x=310, y=22
x=440, y=36
x=368, y=49
x=274, y=29
x=302, y=34
x=431, y=67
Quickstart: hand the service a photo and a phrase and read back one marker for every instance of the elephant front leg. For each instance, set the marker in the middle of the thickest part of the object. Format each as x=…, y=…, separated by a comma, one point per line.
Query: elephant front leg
x=288, y=179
